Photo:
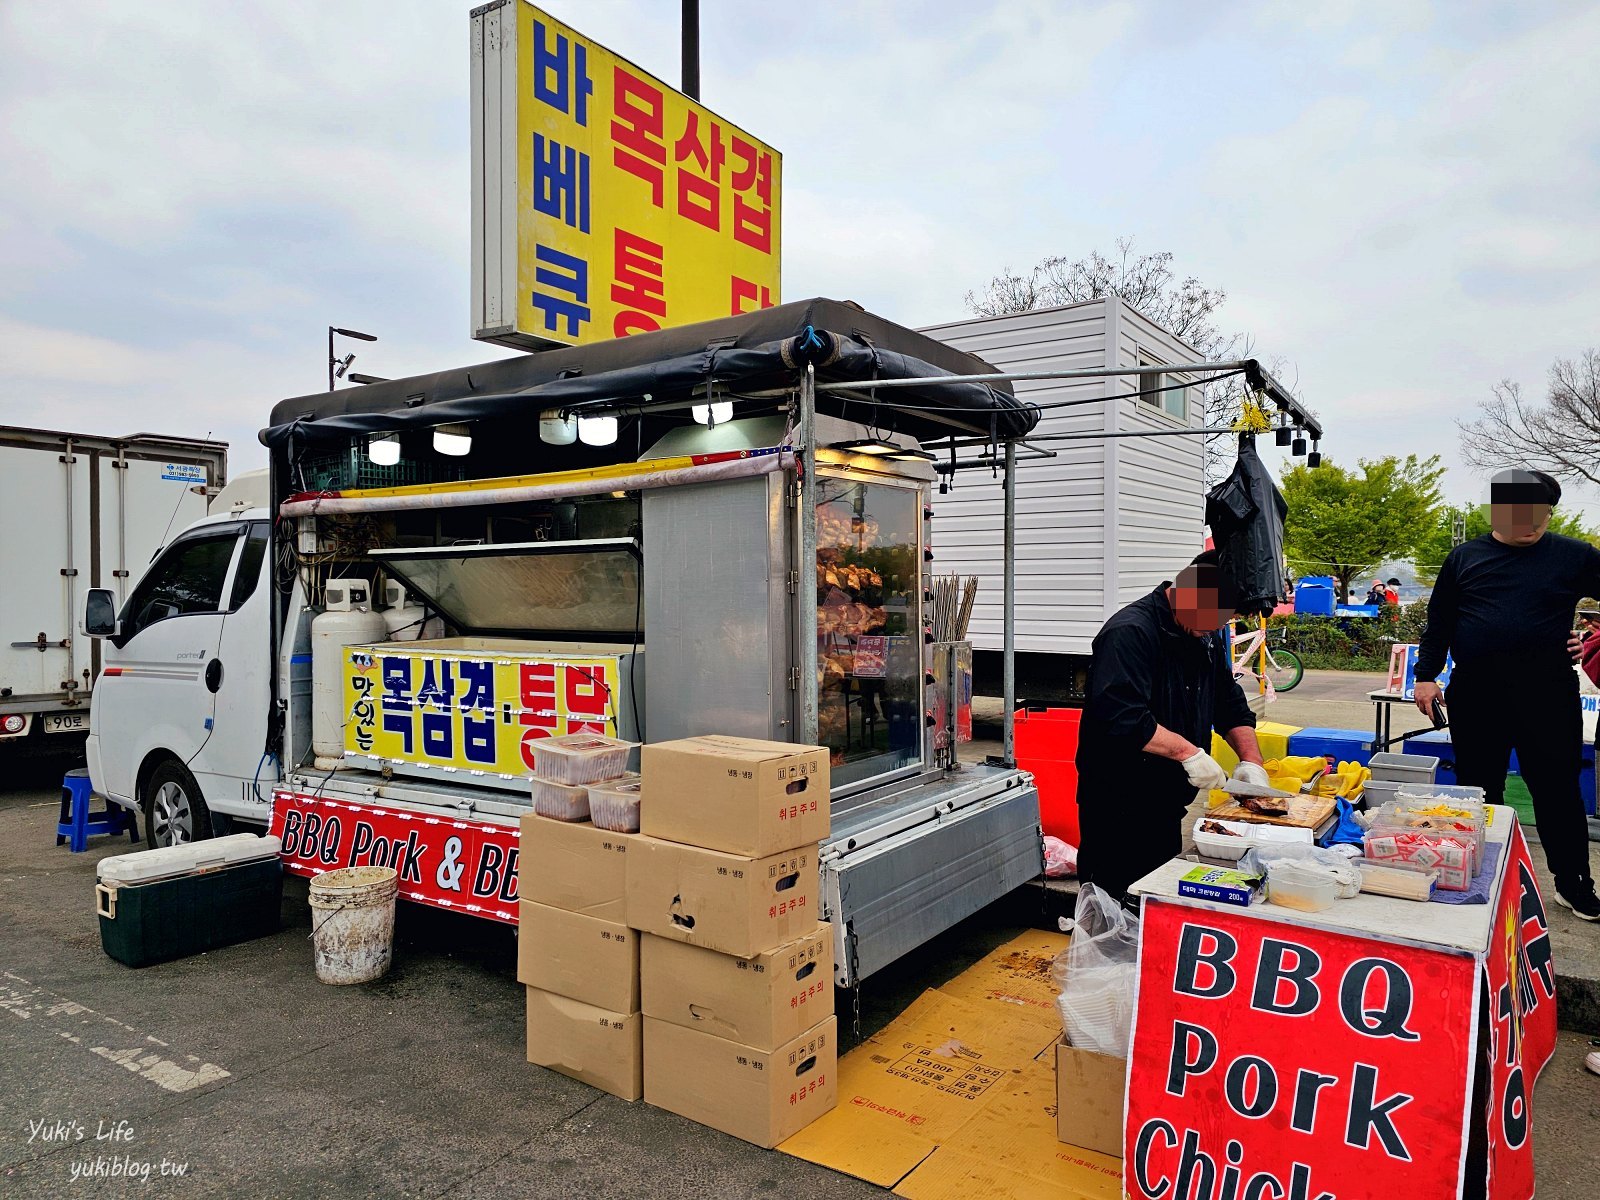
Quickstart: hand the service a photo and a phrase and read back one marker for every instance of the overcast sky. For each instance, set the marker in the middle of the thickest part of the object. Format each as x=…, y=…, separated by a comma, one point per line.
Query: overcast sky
x=1399, y=197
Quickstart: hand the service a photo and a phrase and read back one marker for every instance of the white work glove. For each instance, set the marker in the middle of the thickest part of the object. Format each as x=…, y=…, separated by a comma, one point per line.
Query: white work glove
x=1249, y=772
x=1204, y=772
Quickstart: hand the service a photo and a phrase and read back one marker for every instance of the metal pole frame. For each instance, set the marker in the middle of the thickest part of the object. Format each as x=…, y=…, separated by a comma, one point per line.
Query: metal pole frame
x=1009, y=641
x=805, y=567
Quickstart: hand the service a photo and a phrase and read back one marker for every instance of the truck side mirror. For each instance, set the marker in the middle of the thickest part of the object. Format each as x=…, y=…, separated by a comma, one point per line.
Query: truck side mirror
x=100, y=613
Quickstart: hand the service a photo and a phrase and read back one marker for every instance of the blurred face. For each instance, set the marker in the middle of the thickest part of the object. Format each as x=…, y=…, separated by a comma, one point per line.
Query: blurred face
x=1519, y=524
x=1195, y=603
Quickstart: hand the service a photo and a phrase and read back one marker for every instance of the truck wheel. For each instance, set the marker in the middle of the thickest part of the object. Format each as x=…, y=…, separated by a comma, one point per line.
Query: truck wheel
x=174, y=811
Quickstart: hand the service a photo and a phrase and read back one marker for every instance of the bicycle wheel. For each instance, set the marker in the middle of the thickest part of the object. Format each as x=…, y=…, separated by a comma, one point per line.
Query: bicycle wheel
x=1284, y=670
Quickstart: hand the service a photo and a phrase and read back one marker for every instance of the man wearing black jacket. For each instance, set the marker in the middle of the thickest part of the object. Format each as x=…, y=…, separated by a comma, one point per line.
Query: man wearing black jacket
x=1159, y=682
x=1503, y=607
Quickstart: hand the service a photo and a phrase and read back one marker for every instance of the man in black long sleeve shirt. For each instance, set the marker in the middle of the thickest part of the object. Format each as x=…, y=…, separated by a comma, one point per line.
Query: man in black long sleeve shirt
x=1503, y=608
x=1159, y=682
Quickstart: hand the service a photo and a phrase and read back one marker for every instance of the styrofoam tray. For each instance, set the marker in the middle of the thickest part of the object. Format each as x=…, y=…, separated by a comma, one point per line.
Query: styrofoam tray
x=146, y=866
x=1220, y=845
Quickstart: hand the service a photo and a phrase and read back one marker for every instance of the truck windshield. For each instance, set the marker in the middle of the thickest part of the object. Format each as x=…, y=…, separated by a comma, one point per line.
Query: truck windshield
x=869, y=643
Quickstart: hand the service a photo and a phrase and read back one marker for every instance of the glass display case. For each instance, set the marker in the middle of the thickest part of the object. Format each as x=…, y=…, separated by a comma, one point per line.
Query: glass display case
x=869, y=627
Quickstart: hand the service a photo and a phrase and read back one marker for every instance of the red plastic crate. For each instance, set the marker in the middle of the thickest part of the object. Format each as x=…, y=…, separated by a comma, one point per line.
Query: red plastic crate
x=1046, y=742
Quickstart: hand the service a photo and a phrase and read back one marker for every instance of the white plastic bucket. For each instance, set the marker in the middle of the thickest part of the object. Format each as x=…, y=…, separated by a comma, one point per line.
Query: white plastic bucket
x=352, y=923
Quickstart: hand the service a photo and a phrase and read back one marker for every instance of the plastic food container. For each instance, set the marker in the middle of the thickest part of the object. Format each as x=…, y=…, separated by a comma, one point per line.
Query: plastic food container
x=1292, y=886
x=1405, y=768
x=1230, y=847
x=614, y=804
x=580, y=758
x=1452, y=857
x=563, y=801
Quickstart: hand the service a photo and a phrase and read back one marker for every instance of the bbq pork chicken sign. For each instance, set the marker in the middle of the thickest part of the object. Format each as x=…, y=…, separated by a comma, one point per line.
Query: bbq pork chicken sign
x=1278, y=1061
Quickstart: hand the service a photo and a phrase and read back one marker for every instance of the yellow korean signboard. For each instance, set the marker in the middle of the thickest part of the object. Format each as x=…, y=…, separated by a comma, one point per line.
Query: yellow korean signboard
x=604, y=202
x=423, y=709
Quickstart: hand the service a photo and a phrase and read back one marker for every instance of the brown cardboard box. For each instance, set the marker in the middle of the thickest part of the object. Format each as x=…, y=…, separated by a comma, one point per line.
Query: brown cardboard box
x=762, y=1096
x=1091, y=1099
x=762, y=1001
x=578, y=956
x=602, y=1048
x=573, y=865
x=724, y=902
x=737, y=795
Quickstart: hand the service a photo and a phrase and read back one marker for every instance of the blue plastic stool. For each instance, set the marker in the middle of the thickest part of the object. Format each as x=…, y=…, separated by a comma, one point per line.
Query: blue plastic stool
x=77, y=824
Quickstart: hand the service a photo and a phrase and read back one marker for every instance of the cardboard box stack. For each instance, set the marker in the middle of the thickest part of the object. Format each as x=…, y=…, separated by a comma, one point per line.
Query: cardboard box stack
x=577, y=955
x=736, y=971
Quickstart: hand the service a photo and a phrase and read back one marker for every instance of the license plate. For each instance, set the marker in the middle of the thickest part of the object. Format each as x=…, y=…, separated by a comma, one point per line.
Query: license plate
x=66, y=723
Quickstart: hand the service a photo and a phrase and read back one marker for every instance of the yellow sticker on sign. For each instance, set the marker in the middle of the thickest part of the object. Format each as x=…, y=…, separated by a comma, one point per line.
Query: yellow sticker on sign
x=607, y=202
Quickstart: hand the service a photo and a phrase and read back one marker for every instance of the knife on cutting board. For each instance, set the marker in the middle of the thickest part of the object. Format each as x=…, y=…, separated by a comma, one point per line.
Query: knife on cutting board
x=1255, y=791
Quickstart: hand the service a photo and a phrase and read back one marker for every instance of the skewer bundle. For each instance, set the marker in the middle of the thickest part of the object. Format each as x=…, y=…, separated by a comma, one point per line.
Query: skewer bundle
x=953, y=599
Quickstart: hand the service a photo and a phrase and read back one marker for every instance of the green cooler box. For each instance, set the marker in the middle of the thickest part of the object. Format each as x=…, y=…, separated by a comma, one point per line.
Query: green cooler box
x=157, y=905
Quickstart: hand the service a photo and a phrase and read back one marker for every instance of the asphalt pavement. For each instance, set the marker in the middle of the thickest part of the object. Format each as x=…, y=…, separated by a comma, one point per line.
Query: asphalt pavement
x=241, y=1071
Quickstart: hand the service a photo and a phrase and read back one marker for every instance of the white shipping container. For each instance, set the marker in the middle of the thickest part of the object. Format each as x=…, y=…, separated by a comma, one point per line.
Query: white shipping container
x=80, y=511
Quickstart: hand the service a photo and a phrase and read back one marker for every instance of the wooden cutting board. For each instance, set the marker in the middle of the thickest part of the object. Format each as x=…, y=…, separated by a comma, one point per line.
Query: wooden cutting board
x=1305, y=812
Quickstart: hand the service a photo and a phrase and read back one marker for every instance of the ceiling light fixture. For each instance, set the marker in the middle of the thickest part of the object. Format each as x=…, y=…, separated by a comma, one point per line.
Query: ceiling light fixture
x=597, y=431
x=384, y=451
x=557, y=428
x=453, y=440
x=712, y=415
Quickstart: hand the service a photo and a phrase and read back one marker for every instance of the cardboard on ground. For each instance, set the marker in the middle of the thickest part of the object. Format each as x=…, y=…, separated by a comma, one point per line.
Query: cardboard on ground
x=1010, y=1149
x=911, y=1098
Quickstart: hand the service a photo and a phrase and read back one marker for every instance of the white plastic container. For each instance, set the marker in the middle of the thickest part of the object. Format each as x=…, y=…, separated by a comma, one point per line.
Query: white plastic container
x=614, y=804
x=580, y=758
x=560, y=801
x=1290, y=886
x=1230, y=847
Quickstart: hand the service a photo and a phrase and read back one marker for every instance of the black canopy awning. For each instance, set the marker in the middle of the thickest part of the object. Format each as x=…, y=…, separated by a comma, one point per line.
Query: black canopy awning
x=757, y=351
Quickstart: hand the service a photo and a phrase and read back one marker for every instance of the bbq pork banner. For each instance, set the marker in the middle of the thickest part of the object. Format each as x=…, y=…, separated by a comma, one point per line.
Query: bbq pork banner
x=1277, y=1062
x=464, y=866
x=1520, y=979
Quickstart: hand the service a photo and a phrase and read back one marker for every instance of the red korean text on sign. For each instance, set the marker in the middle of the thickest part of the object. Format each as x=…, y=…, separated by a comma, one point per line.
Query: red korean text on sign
x=699, y=155
x=752, y=195
x=538, y=716
x=1272, y=1059
x=639, y=285
x=1521, y=989
x=638, y=132
x=588, y=698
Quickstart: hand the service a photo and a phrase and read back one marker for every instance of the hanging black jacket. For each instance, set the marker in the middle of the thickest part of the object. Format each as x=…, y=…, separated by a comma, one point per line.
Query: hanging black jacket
x=1246, y=513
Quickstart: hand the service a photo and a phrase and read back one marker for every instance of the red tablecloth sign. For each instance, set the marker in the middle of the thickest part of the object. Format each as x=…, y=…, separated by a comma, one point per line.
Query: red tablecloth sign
x=1274, y=1060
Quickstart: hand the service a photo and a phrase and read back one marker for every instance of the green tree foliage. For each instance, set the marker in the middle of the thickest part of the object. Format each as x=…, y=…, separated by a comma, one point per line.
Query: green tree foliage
x=1439, y=539
x=1346, y=523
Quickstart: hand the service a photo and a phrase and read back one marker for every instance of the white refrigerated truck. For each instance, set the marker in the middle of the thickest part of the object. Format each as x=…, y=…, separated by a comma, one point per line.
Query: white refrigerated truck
x=80, y=510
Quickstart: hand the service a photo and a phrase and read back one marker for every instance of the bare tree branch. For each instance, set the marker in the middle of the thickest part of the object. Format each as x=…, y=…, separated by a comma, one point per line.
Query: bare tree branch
x=1561, y=435
x=1183, y=307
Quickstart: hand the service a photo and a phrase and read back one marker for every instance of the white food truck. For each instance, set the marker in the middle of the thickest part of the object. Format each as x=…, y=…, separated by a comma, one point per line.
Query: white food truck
x=79, y=509
x=719, y=528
